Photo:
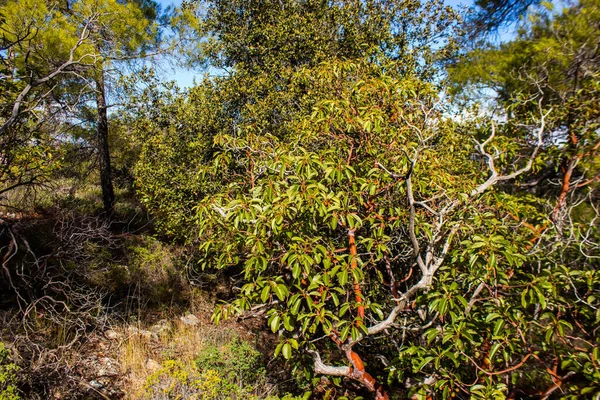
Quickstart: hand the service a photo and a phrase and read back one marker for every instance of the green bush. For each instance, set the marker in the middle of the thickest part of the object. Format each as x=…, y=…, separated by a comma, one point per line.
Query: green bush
x=153, y=267
x=8, y=376
x=238, y=362
x=233, y=370
x=174, y=381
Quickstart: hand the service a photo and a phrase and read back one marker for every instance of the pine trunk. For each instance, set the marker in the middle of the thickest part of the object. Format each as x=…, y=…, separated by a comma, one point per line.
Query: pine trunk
x=108, y=195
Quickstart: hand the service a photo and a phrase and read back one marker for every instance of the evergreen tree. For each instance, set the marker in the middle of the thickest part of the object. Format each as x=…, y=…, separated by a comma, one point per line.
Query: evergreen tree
x=54, y=61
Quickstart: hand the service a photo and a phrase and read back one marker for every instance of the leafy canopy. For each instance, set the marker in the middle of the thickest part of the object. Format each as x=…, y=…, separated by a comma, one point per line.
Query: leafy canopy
x=363, y=219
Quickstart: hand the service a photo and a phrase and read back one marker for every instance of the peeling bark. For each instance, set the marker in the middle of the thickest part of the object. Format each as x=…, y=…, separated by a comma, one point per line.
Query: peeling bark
x=357, y=372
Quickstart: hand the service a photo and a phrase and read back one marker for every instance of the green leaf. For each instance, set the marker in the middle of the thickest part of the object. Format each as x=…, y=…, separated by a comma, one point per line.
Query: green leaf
x=296, y=270
x=498, y=327
x=274, y=322
x=462, y=300
x=431, y=334
x=296, y=305
x=493, y=351
x=491, y=317
x=293, y=343
x=354, y=333
x=524, y=301
x=345, y=332
x=343, y=277
x=281, y=291
x=424, y=362
x=264, y=295
x=286, y=351
x=287, y=323
x=336, y=300
x=343, y=309
x=277, y=349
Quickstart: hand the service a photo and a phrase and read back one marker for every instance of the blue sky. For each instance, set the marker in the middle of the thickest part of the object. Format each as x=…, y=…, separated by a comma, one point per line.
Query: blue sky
x=185, y=77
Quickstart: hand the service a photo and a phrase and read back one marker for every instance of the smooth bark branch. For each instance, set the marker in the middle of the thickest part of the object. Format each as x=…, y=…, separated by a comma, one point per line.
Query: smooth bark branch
x=495, y=177
x=440, y=259
x=411, y=222
x=392, y=174
x=474, y=298
x=389, y=321
x=323, y=369
x=356, y=372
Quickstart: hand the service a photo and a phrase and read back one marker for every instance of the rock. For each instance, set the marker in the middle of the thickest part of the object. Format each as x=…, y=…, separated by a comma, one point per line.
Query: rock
x=109, y=367
x=143, y=333
x=96, y=385
x=112, y=335
x=161, y=326
x=152, y=365
x=190, y=320
x=147, y=334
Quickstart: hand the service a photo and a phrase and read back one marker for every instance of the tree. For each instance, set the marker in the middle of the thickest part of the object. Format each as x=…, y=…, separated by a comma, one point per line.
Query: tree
x=56, y=58
x=261, y=46
x=555, y=55
x=360, y=198
x=385, y=238
x=29, y=75
x=488, y=16
x=124, y=32
x=554, y=59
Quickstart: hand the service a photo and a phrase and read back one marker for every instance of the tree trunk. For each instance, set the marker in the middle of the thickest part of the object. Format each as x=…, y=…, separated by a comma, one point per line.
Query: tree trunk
x=108, y=195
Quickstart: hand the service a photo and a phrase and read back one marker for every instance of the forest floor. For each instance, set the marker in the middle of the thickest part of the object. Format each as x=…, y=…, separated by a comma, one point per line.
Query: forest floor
x=127, y=360
x=97, y=308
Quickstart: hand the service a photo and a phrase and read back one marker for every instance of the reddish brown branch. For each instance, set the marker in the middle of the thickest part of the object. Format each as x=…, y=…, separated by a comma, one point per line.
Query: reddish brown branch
x=393, y=286
x=504, y=371
x=357, y=372
x=587, y=182
x=568, y=172
x=407, y=277
x=558, y=382
x=353, y=264
x=565, y=187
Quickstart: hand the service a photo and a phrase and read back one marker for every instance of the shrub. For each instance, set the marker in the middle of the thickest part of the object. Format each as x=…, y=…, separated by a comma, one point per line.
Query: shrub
x=8, y=376
x=232, y=370
x=174, y=381
x=238, y=362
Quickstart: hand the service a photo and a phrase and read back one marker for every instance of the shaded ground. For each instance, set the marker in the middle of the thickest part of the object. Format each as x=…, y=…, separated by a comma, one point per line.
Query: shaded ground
x=102, y=308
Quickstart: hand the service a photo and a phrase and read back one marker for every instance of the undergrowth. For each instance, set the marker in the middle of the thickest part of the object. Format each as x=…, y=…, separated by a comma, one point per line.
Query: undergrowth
x=75, y=275
x=8, y=376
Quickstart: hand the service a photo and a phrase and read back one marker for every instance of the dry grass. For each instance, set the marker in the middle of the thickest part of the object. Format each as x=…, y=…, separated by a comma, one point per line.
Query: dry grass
x=145, y=347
